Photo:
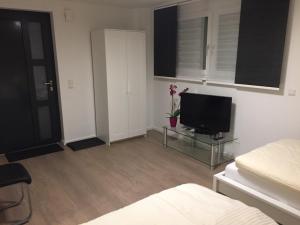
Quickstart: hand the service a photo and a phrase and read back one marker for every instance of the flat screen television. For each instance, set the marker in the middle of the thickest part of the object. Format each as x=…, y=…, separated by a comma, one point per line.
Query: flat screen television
x=206, y=113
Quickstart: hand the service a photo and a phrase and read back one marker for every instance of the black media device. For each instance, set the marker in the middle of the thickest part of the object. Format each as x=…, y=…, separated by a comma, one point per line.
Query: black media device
x=207, y=114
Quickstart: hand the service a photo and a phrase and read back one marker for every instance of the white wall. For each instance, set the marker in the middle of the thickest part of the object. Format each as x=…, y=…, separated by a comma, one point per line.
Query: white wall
x=73, y=52
x=260, y=117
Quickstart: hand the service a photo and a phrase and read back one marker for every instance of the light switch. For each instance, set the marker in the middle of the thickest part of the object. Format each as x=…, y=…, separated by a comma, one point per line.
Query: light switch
x=68, y=15
x=70, y=84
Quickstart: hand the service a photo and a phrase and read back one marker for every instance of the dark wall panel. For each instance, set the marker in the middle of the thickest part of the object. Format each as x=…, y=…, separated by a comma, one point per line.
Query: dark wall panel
x=261, y=42
x=165, y=41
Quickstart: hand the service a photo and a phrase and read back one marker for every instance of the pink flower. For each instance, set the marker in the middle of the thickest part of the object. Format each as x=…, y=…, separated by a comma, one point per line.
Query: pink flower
x=175, y=110
x=173, y=88
x=172, y=92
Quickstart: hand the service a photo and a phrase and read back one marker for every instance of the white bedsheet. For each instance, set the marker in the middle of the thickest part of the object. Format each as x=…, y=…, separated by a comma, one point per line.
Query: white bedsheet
x=265, y=186
x=188, y=204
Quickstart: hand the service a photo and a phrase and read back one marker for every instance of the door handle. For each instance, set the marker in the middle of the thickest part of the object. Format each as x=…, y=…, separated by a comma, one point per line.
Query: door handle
x=50, y=84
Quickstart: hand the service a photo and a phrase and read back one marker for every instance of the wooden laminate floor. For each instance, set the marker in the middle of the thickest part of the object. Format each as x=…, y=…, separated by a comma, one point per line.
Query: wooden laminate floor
x=74, y=187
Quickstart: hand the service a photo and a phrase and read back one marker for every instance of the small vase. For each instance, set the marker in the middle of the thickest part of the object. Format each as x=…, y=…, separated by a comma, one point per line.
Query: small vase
x=173, y=121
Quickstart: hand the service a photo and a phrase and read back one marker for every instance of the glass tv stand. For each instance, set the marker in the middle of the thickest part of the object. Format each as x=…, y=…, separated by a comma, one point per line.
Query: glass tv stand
x=199, y=146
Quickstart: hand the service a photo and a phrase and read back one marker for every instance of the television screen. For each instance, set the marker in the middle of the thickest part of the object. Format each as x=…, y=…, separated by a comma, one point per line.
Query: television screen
x=206, y=113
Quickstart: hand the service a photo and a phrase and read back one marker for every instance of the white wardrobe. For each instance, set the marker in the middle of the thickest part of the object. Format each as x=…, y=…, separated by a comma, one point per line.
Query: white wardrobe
x=119, y=67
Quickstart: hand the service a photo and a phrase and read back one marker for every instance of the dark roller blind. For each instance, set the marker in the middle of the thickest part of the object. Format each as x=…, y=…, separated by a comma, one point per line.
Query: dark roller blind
x=261, y=42
x=165, y=41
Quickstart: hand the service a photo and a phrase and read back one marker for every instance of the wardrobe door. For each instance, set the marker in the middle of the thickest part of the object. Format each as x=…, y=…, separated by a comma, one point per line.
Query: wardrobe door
x=136, y=67
x=116, y=63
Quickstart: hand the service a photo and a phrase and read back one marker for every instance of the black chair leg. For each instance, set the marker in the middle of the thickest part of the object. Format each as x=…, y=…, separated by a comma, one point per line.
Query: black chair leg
x=14, y=204
x=27, y=218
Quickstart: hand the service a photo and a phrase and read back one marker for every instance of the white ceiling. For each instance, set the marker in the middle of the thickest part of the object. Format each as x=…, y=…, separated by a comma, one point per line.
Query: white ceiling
x=130, y=3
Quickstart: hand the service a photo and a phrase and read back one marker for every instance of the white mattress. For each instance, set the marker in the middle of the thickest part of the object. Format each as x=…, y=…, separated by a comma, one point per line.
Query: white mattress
x=272, y=189
x=278, y=162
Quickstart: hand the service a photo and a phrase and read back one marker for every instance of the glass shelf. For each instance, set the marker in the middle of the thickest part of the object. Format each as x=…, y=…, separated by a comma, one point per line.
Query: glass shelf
x=199, y=146
x=207, y=139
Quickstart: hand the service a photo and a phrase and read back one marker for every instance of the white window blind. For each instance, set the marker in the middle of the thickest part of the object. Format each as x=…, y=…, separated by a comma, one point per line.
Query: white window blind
x=192, y=40
x=227, y=42
x=224, y=46
x=192, y=44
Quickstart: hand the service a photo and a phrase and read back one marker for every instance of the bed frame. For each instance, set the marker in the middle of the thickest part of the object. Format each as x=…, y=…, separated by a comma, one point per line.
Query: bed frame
x=279, y=211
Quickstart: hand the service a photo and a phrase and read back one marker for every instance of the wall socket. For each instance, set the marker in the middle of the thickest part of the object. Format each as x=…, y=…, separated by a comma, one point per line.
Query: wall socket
x=292, y=92
x=70, y=84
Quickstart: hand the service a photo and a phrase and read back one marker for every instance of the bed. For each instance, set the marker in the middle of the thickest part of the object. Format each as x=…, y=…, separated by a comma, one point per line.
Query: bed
x=188, y=204
x=267, y=178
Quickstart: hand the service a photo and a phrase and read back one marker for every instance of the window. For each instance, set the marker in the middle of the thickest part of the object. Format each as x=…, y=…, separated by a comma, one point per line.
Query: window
x=206, y=40
x=192, y=40
x=227, y=42
x=225, y=45
x=214, y=44
x=191, y=46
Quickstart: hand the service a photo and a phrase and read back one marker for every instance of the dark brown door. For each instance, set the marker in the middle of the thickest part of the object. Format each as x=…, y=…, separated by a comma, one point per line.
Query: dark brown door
x=29, y=110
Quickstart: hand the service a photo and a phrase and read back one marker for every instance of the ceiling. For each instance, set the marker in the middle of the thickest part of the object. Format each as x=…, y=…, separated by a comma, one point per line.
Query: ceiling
x=130, y=3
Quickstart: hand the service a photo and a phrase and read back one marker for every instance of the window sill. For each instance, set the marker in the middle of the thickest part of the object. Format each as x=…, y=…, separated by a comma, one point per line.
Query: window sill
x=216, y=83
x=191, y=80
